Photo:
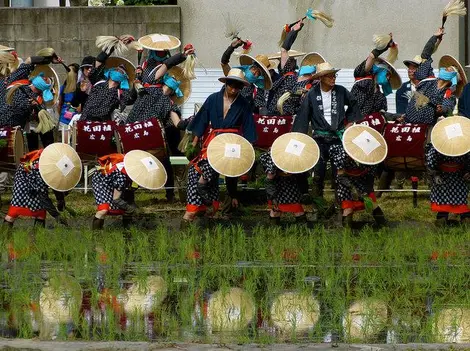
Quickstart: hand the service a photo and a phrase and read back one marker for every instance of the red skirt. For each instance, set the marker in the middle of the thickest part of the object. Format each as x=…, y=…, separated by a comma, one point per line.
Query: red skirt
x=288, y=208
x=458, y=209
x=107, y=207
x=357, y=205
x=15, y=212
x=201, y=208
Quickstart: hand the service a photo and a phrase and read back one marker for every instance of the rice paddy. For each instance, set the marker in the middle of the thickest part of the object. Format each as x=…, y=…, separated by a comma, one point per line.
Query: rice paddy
x=238, y=280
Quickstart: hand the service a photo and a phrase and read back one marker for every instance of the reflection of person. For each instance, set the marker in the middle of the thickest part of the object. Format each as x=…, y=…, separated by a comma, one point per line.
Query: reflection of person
x=325, y=109
x=227, y=112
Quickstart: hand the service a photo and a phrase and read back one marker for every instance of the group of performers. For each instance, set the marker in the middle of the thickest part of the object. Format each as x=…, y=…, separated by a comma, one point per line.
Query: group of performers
x=267, y=85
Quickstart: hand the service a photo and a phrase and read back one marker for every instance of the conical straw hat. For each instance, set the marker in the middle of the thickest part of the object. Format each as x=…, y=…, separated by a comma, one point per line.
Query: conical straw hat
x=292, y=53
x=145, y=169
x=230, y=310
x=142, y=298
x=263, y=63
x=60, y=167
x=293, y=311
x=451, y=136
x=116, y=61
x=230, y=154
x=52, y=74
x=159, y=42
x=395, y=79
x=295, y=152
x=365, y=319
x=447, y=61
x=6, y=48
x=364, y=144
x=312, y=59
x=60, y=300
x=452, y=325
x=185, y=86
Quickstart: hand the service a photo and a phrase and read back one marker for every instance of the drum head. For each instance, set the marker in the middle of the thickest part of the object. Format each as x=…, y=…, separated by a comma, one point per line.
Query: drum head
x=18, y=144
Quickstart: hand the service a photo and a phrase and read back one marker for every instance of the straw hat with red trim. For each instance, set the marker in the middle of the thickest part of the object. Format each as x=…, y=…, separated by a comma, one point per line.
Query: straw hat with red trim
x=364, y=144
x=451, y=136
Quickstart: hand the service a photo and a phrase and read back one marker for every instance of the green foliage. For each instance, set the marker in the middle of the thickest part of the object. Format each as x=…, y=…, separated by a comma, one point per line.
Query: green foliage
x=148, y=2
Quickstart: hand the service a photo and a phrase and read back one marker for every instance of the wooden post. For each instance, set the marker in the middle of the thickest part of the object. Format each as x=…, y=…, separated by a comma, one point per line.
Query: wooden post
x=6, y=3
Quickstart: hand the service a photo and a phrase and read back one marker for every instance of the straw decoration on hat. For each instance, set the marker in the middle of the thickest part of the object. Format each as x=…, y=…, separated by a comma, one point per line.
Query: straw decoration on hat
x=453, y=8
x=143, y=297
x=364, y=144
x=261, y=61
x=294, y=311
x=60, y=167
x=185, y=85
x=450, y=61
x=50, y=73
x=230, y=154
x=365, y=319
x=395, y=79
x=452, y=325
x=451, y=136
x=159, y=42
x=60, y=300
x=230, y=310
x=115, y=61
x=121, y=44
x=295, y=152
x=381, y=41
x=145, y=169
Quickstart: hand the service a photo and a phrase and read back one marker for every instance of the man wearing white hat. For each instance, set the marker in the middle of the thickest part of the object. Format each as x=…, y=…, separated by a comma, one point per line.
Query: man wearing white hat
x=227, y=112
x=329, y=108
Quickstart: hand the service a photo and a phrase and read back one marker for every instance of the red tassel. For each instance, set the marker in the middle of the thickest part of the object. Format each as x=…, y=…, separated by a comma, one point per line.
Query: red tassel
x=247, y=45
x=287, y=28
x=188, y=47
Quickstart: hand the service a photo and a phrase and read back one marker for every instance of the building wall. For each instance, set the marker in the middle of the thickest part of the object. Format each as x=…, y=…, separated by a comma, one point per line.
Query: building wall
x=345, y=45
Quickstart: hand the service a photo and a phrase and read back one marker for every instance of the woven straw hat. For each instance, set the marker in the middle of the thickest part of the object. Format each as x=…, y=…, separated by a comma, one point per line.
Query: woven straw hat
x=142, y=298
x=230, y=310
x=235, y=74
x=116, y=61
x=185, y=86
x=451, y=136
x=312, y=59
x=159, y=42
x=452, y=325
x=417, y=60
x=448, y=61
x=263, y=62
x=295, y=311
x=60, y=167
x=324, y=69
x=6, y=48
x=364, y=144
x=145, y=169
x=395, y=79
x=50, y=73
x=365, y=319
x=60, y=300
x=292, y=53
x=295, y=152
x=230, y=154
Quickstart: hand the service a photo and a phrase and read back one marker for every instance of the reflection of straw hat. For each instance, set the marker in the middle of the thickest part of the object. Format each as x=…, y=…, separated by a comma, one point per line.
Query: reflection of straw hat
x=294, y=311
x=145, y=169
x=6, y=48
x=230, y=154
x=453, y=325
x=292, y=53
x=324, y=69
x=185, y=86
x=144, y=297
x=60, y=301
x=235, y=74
x=50, y=73
x=115, y=61
x=159, y=42
x=262, y=62
x=451, y=136
x=60, y=167
x=365, y=319
x=395, y=79
x=295, y=152
x=417, y=60
x=312, y=59
x=448, y=61
x=230, y=310
x=364, y=144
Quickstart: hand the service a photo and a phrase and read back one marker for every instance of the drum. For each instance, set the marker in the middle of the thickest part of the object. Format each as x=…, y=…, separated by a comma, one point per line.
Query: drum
x=148, y=136
x=268, y=128
x=374, y=120
x=452, y=325
x=12, y=147
x=365, y=320
x=93, y=139
x=406, y=144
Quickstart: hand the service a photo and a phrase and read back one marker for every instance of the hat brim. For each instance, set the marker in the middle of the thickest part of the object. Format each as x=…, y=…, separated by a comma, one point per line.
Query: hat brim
x=116, y=61
x=50, y=73
x=292, y=53
x=395, y=79
x=411, y=62
x=456, y=146
x=159, y=42
x=185, y=86
x=237, y=79
x=357, y=153
x=324, y=73
x=447, y=61
x=312, y=59
x=6, y=48
x=288, y=160
x=247, y=60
